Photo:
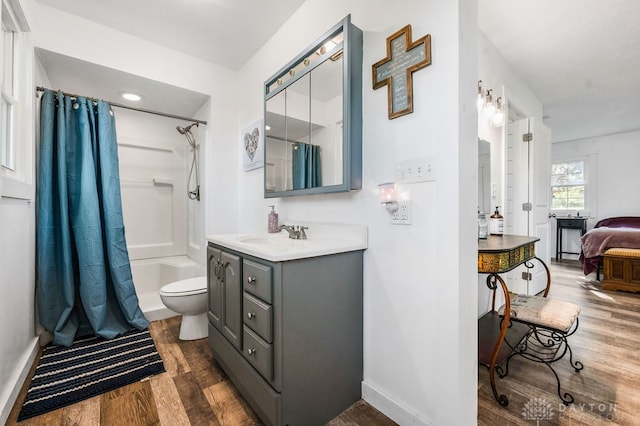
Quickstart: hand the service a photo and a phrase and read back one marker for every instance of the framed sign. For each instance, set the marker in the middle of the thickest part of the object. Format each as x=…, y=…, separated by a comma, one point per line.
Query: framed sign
x=404, y=57
x=253, y=146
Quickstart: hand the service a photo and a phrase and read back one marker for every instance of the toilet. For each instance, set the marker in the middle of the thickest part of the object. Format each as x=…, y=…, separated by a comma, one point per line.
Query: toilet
x=188, y=298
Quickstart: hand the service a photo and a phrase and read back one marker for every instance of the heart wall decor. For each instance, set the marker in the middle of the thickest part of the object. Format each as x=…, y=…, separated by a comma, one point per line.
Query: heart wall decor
x=251, y=142
x=252, y=146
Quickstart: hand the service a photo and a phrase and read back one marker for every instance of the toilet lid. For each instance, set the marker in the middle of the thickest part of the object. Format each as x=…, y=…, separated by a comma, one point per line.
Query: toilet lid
x=195, y=285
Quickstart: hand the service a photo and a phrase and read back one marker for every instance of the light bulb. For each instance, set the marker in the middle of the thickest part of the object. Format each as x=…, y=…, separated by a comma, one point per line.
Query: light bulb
x=480, y=101
x=489, y=107
x=498, y=117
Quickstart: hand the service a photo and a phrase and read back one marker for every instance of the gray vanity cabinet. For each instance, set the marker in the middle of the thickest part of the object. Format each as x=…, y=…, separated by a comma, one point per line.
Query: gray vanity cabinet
x=300, y=358
x=225, y=294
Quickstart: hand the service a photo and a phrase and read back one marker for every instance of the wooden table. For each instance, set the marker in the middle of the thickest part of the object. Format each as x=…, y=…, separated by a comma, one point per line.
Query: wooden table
x=497, y=255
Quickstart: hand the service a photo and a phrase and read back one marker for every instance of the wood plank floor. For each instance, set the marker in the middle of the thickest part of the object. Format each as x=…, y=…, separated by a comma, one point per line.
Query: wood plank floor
x=195, y=390
x=607, y=391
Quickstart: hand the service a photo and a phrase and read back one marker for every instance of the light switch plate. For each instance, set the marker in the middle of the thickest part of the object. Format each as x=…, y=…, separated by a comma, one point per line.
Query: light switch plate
x=420, y=169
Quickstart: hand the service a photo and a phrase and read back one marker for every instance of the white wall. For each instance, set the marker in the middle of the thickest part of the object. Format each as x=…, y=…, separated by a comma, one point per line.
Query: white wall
x=17, y=285
x=496, y=73
x=420, y=310
x=18, y=344
x=613, y=175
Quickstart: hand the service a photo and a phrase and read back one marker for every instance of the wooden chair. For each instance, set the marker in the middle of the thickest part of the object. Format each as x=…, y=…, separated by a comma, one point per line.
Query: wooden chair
x=551, y=322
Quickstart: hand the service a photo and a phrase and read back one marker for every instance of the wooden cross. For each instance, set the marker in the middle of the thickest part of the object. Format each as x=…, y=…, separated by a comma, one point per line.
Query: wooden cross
x=396, y=70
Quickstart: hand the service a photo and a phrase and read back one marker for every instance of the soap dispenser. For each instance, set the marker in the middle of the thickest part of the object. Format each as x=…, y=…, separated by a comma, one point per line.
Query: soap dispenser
x=273, y=221
x=496, y=223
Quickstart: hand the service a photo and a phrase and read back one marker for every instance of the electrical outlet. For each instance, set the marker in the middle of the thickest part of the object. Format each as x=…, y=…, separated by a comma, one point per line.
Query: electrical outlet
x=402, y=216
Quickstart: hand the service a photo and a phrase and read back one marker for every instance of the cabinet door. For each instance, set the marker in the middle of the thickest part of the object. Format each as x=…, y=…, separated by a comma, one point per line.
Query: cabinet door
x=231, y=278
x=214, y=289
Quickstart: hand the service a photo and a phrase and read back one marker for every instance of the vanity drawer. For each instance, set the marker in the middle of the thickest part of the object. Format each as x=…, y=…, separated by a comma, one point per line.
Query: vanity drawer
x=259, y=353
x=257, y=315
x=257, y=279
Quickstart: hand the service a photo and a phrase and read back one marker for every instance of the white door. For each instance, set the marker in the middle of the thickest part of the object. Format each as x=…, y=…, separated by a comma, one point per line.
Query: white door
x=527, y=209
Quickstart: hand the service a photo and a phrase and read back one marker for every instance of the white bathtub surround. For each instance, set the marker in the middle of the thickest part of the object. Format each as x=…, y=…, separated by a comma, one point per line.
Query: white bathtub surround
x=150, y=275
x=322, y=239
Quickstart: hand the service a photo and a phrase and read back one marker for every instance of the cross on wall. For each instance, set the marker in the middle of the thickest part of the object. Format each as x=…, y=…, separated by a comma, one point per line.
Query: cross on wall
x=396, y=70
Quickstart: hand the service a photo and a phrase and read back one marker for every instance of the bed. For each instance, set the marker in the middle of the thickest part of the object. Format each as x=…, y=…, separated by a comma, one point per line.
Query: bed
x=613, y=232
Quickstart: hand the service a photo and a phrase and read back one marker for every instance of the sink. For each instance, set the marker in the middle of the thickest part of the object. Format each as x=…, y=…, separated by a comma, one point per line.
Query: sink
x=258, y=240
x=324, y=239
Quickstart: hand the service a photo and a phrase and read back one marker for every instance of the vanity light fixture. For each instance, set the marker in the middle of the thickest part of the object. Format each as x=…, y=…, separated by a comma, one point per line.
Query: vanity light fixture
x=480, y=101
x=131, y=96
x=498, y=116
x=388, y=196
x=493, y=112
x=326, y=47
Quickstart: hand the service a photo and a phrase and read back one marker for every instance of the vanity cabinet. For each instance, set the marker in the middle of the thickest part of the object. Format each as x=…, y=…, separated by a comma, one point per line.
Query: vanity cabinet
x=224, y=290
x=296, y=354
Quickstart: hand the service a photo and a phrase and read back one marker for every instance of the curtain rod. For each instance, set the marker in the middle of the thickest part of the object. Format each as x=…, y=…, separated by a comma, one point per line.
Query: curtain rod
x=115, y=104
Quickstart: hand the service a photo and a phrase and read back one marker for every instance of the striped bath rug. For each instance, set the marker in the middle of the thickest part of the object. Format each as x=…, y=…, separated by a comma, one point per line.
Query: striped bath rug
x=88, y=368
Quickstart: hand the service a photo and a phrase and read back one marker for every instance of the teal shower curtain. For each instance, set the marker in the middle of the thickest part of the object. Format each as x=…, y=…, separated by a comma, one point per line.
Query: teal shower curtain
x=84, y=276
x=307, y=171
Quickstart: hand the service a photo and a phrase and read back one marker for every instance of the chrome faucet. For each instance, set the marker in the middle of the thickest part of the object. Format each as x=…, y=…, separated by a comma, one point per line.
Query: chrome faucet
x=295, y=232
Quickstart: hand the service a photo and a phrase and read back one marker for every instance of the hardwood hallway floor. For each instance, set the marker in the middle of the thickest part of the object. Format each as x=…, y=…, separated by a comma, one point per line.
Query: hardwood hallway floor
x=606, y=391
x=195, y=391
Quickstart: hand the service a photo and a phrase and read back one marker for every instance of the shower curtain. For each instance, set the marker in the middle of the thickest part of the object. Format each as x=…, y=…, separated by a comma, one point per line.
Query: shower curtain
x=307, y=172
x=84, y=276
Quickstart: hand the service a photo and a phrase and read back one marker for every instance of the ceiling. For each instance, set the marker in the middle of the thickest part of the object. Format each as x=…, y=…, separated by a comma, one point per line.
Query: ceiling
x=223, y=32
x=87, y=79
x=580, y=57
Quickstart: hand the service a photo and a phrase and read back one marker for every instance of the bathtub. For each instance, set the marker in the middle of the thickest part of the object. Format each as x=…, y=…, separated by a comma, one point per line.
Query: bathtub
x=149, y=275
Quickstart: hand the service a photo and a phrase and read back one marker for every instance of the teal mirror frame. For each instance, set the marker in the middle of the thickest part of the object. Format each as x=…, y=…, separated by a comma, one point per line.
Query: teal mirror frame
x=351, y=106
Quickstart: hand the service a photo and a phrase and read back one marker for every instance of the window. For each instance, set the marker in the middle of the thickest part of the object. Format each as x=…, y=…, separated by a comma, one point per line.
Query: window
x=7, y=100
x=6, y=141
x=568, y=185
x=16, y=104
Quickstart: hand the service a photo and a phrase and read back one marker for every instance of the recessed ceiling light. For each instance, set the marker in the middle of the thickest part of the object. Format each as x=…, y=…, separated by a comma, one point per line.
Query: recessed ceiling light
x=131, y=96
x=267, y=127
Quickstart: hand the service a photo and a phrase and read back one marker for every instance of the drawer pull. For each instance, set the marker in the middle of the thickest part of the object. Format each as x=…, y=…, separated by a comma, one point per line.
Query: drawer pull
x=251, y=352
x=251, y=279
x=251, y=315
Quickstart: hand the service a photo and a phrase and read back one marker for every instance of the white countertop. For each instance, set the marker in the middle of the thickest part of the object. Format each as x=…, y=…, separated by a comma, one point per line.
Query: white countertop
x=322, y=239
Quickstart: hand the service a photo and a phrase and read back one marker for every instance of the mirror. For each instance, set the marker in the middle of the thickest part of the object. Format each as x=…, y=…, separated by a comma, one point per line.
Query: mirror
x=304, y=138
x=313, y=119
x=484, y=177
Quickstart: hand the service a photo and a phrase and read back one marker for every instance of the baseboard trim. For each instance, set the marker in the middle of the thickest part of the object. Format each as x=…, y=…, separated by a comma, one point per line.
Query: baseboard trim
x=390, y=407
x=27, y=362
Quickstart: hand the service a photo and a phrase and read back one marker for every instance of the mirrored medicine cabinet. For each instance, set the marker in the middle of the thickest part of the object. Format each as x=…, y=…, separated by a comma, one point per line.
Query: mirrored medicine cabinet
x=313, y=118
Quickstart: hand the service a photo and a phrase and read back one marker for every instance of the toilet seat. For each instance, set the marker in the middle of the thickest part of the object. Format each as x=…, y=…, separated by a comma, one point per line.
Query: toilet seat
x=191, y=286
